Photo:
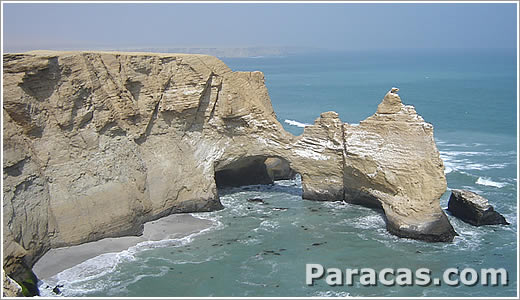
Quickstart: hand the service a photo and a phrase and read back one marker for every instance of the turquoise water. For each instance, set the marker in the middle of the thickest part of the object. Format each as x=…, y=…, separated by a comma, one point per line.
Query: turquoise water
x=261, y=250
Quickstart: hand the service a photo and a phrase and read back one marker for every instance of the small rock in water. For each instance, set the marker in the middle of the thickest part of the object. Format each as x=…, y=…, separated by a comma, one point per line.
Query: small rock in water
x=473, y=209
x=56, y=289
x=257, y=200
x=266, y=252
x=318, y=244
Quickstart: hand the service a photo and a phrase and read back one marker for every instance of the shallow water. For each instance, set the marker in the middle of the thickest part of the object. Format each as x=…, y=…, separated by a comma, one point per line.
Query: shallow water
x=261, y=250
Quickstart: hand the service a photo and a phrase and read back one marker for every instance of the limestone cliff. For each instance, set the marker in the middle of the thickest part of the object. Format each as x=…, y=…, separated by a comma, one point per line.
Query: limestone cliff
x=97, y=143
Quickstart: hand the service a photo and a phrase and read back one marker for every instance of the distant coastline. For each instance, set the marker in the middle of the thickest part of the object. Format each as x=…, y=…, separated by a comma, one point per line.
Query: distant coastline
x=221, y=52
x=230, y=52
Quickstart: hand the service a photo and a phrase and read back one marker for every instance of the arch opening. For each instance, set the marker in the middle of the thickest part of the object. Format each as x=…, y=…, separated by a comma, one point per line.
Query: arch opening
x=253, y=170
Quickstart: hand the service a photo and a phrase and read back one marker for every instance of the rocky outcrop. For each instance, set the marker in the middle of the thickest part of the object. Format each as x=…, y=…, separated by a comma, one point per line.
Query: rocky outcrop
x=97, y=143
x=474, y=209
x=10, y=288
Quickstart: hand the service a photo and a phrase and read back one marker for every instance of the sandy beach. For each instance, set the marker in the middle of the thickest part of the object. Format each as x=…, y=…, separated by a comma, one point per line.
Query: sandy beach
x=170, y=227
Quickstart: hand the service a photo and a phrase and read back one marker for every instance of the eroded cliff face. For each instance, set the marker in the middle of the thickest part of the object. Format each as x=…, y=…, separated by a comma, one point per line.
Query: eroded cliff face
x=96, y=144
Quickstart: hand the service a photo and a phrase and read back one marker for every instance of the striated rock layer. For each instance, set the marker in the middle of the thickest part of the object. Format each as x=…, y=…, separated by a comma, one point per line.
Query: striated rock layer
x=98, y=143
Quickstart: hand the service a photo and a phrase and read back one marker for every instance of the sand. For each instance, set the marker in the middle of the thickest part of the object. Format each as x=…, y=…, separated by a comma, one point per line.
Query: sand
x=170, y=227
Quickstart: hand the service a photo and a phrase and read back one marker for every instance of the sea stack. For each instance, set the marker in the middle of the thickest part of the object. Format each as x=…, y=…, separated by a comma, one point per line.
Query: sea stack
x=391, y=161
x=474, y=209
x=98, y=143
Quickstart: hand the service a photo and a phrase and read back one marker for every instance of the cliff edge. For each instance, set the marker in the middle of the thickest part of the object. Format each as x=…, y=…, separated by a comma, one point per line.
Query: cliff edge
x=98, y=143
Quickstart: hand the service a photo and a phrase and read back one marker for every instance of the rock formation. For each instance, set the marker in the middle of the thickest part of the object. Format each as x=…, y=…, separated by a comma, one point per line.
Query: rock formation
x=98, y=143
x=10, y=287
x=474, y=209
x=279, y=169
x=391, y=161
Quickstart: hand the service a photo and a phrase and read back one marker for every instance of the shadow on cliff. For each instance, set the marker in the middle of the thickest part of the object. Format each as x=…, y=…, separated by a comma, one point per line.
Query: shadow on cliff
x=253, y=170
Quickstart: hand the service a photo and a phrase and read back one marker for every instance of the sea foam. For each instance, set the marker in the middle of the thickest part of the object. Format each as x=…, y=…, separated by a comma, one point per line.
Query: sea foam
x=464, y=160
x=489, y=182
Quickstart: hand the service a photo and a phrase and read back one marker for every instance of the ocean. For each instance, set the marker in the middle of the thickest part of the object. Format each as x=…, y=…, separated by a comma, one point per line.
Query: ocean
x=257, y=250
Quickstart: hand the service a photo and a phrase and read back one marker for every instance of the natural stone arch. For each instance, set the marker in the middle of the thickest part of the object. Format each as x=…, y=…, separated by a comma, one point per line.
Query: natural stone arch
x=159, y=154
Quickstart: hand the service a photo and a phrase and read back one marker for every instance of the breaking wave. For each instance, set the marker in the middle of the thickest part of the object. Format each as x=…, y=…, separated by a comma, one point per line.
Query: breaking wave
x=462, y=161
x=296, y=123
x=489, y=182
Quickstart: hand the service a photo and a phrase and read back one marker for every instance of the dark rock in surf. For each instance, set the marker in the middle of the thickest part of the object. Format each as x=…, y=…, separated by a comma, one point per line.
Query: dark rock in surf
x=257, y=200
x=56, y=289
x=473, y=209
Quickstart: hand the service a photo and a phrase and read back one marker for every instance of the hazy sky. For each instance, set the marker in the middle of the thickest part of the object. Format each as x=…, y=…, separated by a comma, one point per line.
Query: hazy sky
x=329, y=26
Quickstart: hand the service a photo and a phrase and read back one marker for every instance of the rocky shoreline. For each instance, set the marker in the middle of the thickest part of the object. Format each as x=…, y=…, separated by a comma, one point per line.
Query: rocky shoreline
x=98, y=143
